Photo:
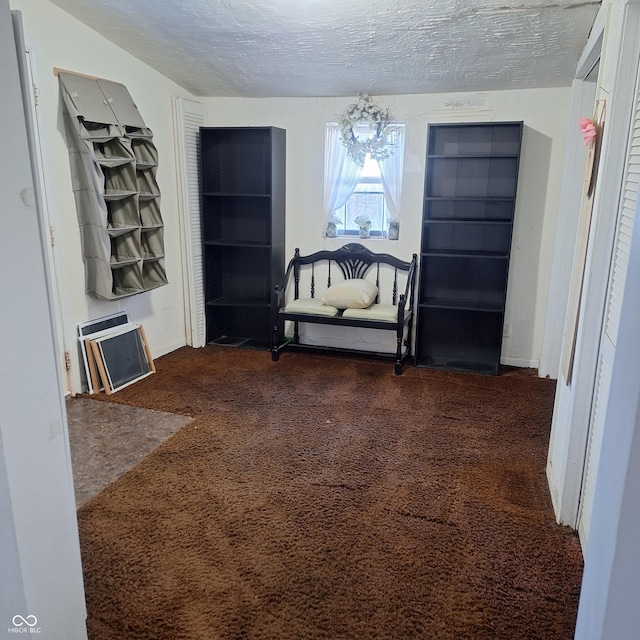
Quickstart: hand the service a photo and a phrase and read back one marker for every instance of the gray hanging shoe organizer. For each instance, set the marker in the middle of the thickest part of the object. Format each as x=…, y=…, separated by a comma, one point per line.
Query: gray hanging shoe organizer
x=113, y=170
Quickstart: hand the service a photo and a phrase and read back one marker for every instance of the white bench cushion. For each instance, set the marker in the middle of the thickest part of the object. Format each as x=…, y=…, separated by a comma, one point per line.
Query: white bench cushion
x=383, y=312
x=312, y=306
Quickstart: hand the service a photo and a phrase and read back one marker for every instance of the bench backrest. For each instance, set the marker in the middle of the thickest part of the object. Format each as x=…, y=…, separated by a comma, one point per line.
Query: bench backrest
x=354, y=261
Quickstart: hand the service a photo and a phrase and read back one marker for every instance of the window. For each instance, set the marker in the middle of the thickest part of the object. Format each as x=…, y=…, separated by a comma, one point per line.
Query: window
x=366, y=200
x=371, y=192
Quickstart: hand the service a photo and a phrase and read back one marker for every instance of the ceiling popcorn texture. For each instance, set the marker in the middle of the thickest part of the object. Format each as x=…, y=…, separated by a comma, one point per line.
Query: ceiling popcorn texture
x=298, y=48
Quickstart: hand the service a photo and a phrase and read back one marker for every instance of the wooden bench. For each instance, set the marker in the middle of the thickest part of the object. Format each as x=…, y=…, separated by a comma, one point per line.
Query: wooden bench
x=353, y=261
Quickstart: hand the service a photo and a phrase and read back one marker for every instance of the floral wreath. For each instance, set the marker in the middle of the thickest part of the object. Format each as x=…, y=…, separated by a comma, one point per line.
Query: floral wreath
x=378, y=143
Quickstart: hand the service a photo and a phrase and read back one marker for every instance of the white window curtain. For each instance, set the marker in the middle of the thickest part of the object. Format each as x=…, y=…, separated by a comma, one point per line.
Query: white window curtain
x=391, y=172
x=341, y=174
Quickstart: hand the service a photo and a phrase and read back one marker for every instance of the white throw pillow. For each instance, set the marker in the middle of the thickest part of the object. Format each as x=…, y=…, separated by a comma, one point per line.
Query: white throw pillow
x=351, y=294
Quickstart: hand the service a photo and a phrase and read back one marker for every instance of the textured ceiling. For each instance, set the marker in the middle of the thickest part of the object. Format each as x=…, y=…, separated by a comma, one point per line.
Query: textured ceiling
x=262, y=48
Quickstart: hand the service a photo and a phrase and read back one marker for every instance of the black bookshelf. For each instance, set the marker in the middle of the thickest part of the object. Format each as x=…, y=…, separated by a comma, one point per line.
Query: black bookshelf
x=469, y=204
x=243, y=206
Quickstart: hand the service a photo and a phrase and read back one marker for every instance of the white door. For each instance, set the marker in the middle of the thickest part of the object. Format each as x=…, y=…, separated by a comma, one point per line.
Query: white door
x=609, y=336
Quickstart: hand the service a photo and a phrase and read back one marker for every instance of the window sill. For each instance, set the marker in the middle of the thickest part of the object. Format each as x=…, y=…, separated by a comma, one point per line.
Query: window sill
x=356, y=236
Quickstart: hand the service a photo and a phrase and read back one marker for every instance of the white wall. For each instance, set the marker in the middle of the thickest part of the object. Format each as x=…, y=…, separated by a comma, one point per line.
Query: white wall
x=40, y=566
x=544, y=112
x=162, y=311
x=58, y=40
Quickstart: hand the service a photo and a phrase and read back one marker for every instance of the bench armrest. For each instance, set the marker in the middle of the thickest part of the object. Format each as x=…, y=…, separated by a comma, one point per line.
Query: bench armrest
x=409, y=290
x=281, y=288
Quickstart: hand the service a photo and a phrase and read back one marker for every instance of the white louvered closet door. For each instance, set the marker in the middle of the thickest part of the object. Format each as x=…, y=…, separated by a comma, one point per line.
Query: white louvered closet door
x=609, y=336
x=188, y=118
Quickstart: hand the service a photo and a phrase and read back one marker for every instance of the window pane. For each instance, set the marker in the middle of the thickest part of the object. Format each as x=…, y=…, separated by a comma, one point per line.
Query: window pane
x=366, y=200
x=369, y=204
x=371, y=168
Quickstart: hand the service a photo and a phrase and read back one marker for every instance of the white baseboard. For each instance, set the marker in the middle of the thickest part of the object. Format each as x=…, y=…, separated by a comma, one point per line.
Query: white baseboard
x=553, y=490
x=520, y=362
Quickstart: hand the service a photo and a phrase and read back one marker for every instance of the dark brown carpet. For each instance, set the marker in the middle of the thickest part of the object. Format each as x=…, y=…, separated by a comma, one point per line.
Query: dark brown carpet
x=325, y=498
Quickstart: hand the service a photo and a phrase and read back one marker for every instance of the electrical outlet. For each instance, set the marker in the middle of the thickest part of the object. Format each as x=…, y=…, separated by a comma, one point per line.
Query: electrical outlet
x=506, y=330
